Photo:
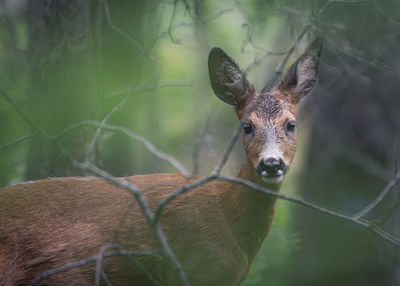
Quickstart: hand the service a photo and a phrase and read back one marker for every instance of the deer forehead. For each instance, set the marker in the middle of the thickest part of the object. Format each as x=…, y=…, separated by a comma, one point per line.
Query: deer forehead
x=271, y=110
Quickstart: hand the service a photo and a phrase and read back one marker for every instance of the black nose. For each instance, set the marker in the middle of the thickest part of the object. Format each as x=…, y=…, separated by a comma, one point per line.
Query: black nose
x=271, y=167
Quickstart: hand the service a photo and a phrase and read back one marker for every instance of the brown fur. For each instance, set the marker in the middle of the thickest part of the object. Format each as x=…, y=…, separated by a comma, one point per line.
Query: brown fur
x=84, y=215
x=215, y=230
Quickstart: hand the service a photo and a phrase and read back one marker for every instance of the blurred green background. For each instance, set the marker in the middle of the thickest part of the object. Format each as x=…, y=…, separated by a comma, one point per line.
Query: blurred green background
x=142, y=65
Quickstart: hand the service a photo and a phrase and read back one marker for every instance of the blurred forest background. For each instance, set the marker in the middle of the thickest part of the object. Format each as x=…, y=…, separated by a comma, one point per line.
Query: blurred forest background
x=67, y=67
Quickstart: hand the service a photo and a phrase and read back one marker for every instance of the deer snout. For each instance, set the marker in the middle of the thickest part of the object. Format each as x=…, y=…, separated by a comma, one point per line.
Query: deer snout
x=272, y=169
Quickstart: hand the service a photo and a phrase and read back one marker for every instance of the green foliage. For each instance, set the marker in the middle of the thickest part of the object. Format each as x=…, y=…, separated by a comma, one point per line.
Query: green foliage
x=143, y=65
x=153, y=58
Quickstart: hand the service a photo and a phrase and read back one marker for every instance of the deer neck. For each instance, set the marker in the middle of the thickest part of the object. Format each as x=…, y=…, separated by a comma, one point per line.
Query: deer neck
x=253, y=211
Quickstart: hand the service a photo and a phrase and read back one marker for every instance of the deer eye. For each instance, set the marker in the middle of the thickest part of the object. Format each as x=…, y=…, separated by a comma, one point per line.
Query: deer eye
x=291, y=126
x=248, y=128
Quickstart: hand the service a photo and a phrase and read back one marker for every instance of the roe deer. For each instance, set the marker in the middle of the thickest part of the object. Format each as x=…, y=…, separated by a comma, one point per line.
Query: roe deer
x=215, y=230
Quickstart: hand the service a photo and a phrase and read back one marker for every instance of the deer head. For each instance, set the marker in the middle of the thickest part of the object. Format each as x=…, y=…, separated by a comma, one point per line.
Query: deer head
x=268, y=119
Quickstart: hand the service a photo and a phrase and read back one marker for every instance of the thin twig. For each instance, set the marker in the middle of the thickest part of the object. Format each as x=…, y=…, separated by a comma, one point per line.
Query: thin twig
x=355, y=54
x=161, y=84
x=279, y=68
x=16, y=141
x=99, y=261
x=153, y=219
x=171, y=21
x=372, y=227
x=149, y=146
x=88, y=260
x=228, y=150
x=148, y=214
x=323, y=209
x=189, y=24
x=108, y=116
x=198, y=146
x=258, y=60
x=249, y=29
x=354, y=155
x=27, y=118
x=180, y=191
x=124, y=34
x=380, y=197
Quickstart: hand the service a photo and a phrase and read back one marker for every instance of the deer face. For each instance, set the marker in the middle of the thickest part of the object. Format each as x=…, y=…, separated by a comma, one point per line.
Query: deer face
x=269, y=135
x=268, y=120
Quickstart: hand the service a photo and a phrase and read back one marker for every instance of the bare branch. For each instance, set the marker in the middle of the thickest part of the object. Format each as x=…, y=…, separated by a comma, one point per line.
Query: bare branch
x=380, y=10
x=180, y=191
x=150, y=146
x=115, y=109
x=189, y=24
x=228, y=150
x=323, y=209
x=16, y=141
x=148, y=214
x=153, y=218
x=99, y=262
x=355, y=54
x=350, y=1
x=91, y=259
x=306, y=29
x=249, y=30
x=124, y=34
x=258, y=60
x=370, y=226
x=282, y=64
x=367, y=163
x=27, y=118
x=198, y=146
x=380, y=197
x=161, y=84
x=175, y=41
x=356, y=156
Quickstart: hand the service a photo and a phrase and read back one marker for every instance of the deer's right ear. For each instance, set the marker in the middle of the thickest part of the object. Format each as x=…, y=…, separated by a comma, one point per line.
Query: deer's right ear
x=228, y=82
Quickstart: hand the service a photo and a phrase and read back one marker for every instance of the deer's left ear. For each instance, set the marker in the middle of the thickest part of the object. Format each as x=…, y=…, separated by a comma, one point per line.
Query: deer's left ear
x=302, y=75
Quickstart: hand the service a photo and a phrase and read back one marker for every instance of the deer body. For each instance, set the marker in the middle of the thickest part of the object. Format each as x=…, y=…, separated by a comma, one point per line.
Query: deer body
x=69, y=232
x=215, y=230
